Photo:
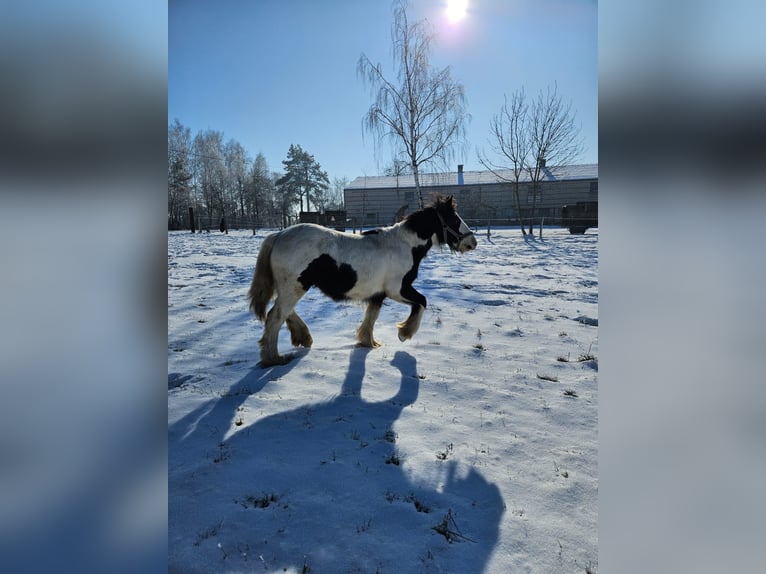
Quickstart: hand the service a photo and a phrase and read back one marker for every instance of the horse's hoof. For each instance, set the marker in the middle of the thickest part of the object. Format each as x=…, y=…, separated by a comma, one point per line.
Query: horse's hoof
x=306, y=341
x=275, y=362
x=366, y=345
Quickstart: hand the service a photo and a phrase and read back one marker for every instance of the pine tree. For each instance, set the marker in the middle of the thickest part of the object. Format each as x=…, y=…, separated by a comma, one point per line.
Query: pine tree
x=303, y=178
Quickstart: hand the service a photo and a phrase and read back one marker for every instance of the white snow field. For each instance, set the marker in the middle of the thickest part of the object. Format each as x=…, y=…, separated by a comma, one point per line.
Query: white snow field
x=470, y=448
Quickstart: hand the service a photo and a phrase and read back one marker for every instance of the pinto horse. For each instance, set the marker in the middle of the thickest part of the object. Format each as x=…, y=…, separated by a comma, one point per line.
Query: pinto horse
x=368, y=267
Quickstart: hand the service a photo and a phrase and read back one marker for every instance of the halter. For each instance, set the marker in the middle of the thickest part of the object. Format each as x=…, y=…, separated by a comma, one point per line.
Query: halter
x=446, y=229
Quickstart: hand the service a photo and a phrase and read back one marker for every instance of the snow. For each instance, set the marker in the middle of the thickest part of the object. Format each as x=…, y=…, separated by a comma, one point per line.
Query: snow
x=470, y=448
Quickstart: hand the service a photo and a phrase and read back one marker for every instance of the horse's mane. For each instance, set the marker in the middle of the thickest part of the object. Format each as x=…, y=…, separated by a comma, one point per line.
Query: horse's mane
x=425, y=222
x=438, y=200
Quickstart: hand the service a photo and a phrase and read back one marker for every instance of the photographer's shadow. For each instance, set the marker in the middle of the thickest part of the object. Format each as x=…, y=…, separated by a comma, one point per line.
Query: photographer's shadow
x=323, y=488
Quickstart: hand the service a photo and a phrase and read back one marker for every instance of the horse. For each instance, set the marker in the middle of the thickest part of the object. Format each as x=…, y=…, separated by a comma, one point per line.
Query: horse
x=367, y=267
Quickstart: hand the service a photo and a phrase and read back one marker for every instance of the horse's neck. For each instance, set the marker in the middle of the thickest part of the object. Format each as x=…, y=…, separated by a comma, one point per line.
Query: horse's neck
x=422, y=224
x=414, y=236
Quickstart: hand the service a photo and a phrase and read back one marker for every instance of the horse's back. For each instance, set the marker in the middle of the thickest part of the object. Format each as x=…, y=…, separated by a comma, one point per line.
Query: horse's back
x=298, y=245
x=307, y=238
x=359, y=264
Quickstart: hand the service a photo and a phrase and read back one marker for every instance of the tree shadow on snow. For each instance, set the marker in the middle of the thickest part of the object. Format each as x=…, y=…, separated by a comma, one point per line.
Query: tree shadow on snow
x=533, y=241
x=323, y=488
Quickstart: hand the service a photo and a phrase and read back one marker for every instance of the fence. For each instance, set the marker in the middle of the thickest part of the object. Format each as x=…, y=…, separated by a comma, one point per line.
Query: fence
x=203, y=222
x=576, y=222
x=213, y=223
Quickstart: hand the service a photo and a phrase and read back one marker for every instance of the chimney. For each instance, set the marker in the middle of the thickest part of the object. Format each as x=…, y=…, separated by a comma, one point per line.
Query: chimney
x=460, y=174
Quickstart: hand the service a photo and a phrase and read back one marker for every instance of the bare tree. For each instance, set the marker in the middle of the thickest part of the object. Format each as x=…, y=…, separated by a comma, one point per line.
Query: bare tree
x=179, y=175
x=510, y=141
x=554, y=137
x=420, y=110
x=237, y=161
x=396, y=168
x=528, y=138
x=260, y=191
x=335, y=198
x=210, y=172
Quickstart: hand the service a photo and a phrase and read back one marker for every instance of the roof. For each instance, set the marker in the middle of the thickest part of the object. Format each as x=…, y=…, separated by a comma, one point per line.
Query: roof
x=553, y=173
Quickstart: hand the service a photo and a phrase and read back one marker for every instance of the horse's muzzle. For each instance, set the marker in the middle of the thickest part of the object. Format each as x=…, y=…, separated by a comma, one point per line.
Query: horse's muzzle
x=468, y=243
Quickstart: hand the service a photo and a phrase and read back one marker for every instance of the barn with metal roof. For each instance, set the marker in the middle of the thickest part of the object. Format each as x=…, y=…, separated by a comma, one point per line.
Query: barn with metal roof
x=482, y=196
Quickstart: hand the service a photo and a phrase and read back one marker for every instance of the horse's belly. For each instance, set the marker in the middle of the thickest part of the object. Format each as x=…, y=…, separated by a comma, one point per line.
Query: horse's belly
x=369, y=284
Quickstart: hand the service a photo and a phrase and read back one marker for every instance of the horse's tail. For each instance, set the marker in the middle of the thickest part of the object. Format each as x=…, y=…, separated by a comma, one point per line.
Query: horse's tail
x=262, y=287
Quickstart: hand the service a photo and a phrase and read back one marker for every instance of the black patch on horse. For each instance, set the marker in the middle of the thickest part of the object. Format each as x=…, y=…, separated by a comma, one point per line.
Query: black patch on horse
x=424, y=223
x=408, y=291
x=333, y=281
x=434, y=219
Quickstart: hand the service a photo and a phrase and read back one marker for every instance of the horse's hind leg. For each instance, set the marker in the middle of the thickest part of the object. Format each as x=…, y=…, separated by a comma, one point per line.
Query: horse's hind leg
x=282, y=309
x=364, y=333
x=299, y=332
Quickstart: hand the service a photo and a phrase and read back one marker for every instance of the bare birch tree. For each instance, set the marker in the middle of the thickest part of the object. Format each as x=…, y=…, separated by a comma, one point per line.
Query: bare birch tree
x=260, y=191
x=237, y=162
x=179, y=175
x=420, y=110
x=210, y=172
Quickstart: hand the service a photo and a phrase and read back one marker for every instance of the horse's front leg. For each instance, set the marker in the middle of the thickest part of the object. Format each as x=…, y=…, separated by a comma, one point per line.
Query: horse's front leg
x=417, y=301
x=364, y=333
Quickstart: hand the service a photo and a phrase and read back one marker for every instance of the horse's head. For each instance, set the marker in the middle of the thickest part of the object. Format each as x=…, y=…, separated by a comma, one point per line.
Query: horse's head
x=455, y=232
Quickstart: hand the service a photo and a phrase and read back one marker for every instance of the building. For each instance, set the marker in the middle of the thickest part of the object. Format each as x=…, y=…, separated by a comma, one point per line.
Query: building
x=482, y=196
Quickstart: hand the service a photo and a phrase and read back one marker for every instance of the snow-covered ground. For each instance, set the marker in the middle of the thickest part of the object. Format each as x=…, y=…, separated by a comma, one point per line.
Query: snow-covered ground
x=471, y=448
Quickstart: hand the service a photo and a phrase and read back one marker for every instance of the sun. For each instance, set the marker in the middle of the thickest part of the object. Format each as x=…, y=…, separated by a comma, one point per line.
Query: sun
x=456, y=10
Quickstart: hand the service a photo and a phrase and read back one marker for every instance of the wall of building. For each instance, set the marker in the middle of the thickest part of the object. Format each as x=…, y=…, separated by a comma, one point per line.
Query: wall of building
x=378, y=207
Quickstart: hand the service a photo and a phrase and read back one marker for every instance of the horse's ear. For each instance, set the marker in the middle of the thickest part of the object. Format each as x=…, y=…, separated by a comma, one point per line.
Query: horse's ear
x=444, y=201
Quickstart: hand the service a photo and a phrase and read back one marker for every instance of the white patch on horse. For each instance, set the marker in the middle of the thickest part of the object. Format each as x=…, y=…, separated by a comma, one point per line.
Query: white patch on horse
x=367, y=267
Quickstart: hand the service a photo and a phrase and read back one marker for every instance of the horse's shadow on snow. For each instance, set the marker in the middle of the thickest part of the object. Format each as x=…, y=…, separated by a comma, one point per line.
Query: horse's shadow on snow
x=322, y=488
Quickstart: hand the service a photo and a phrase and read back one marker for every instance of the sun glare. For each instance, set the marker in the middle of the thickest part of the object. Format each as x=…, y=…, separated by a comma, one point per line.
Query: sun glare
x=456, y=10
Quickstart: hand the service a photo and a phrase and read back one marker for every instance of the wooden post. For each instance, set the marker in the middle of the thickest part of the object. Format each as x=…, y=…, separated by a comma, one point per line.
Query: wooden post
x=191, y=218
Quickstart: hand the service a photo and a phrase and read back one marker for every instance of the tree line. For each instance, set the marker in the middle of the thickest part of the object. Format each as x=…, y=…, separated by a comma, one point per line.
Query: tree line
x=225, y=185
x=420, y=111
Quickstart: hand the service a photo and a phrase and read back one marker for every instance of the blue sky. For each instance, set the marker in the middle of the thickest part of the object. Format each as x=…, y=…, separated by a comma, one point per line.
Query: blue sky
x=271, y=73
